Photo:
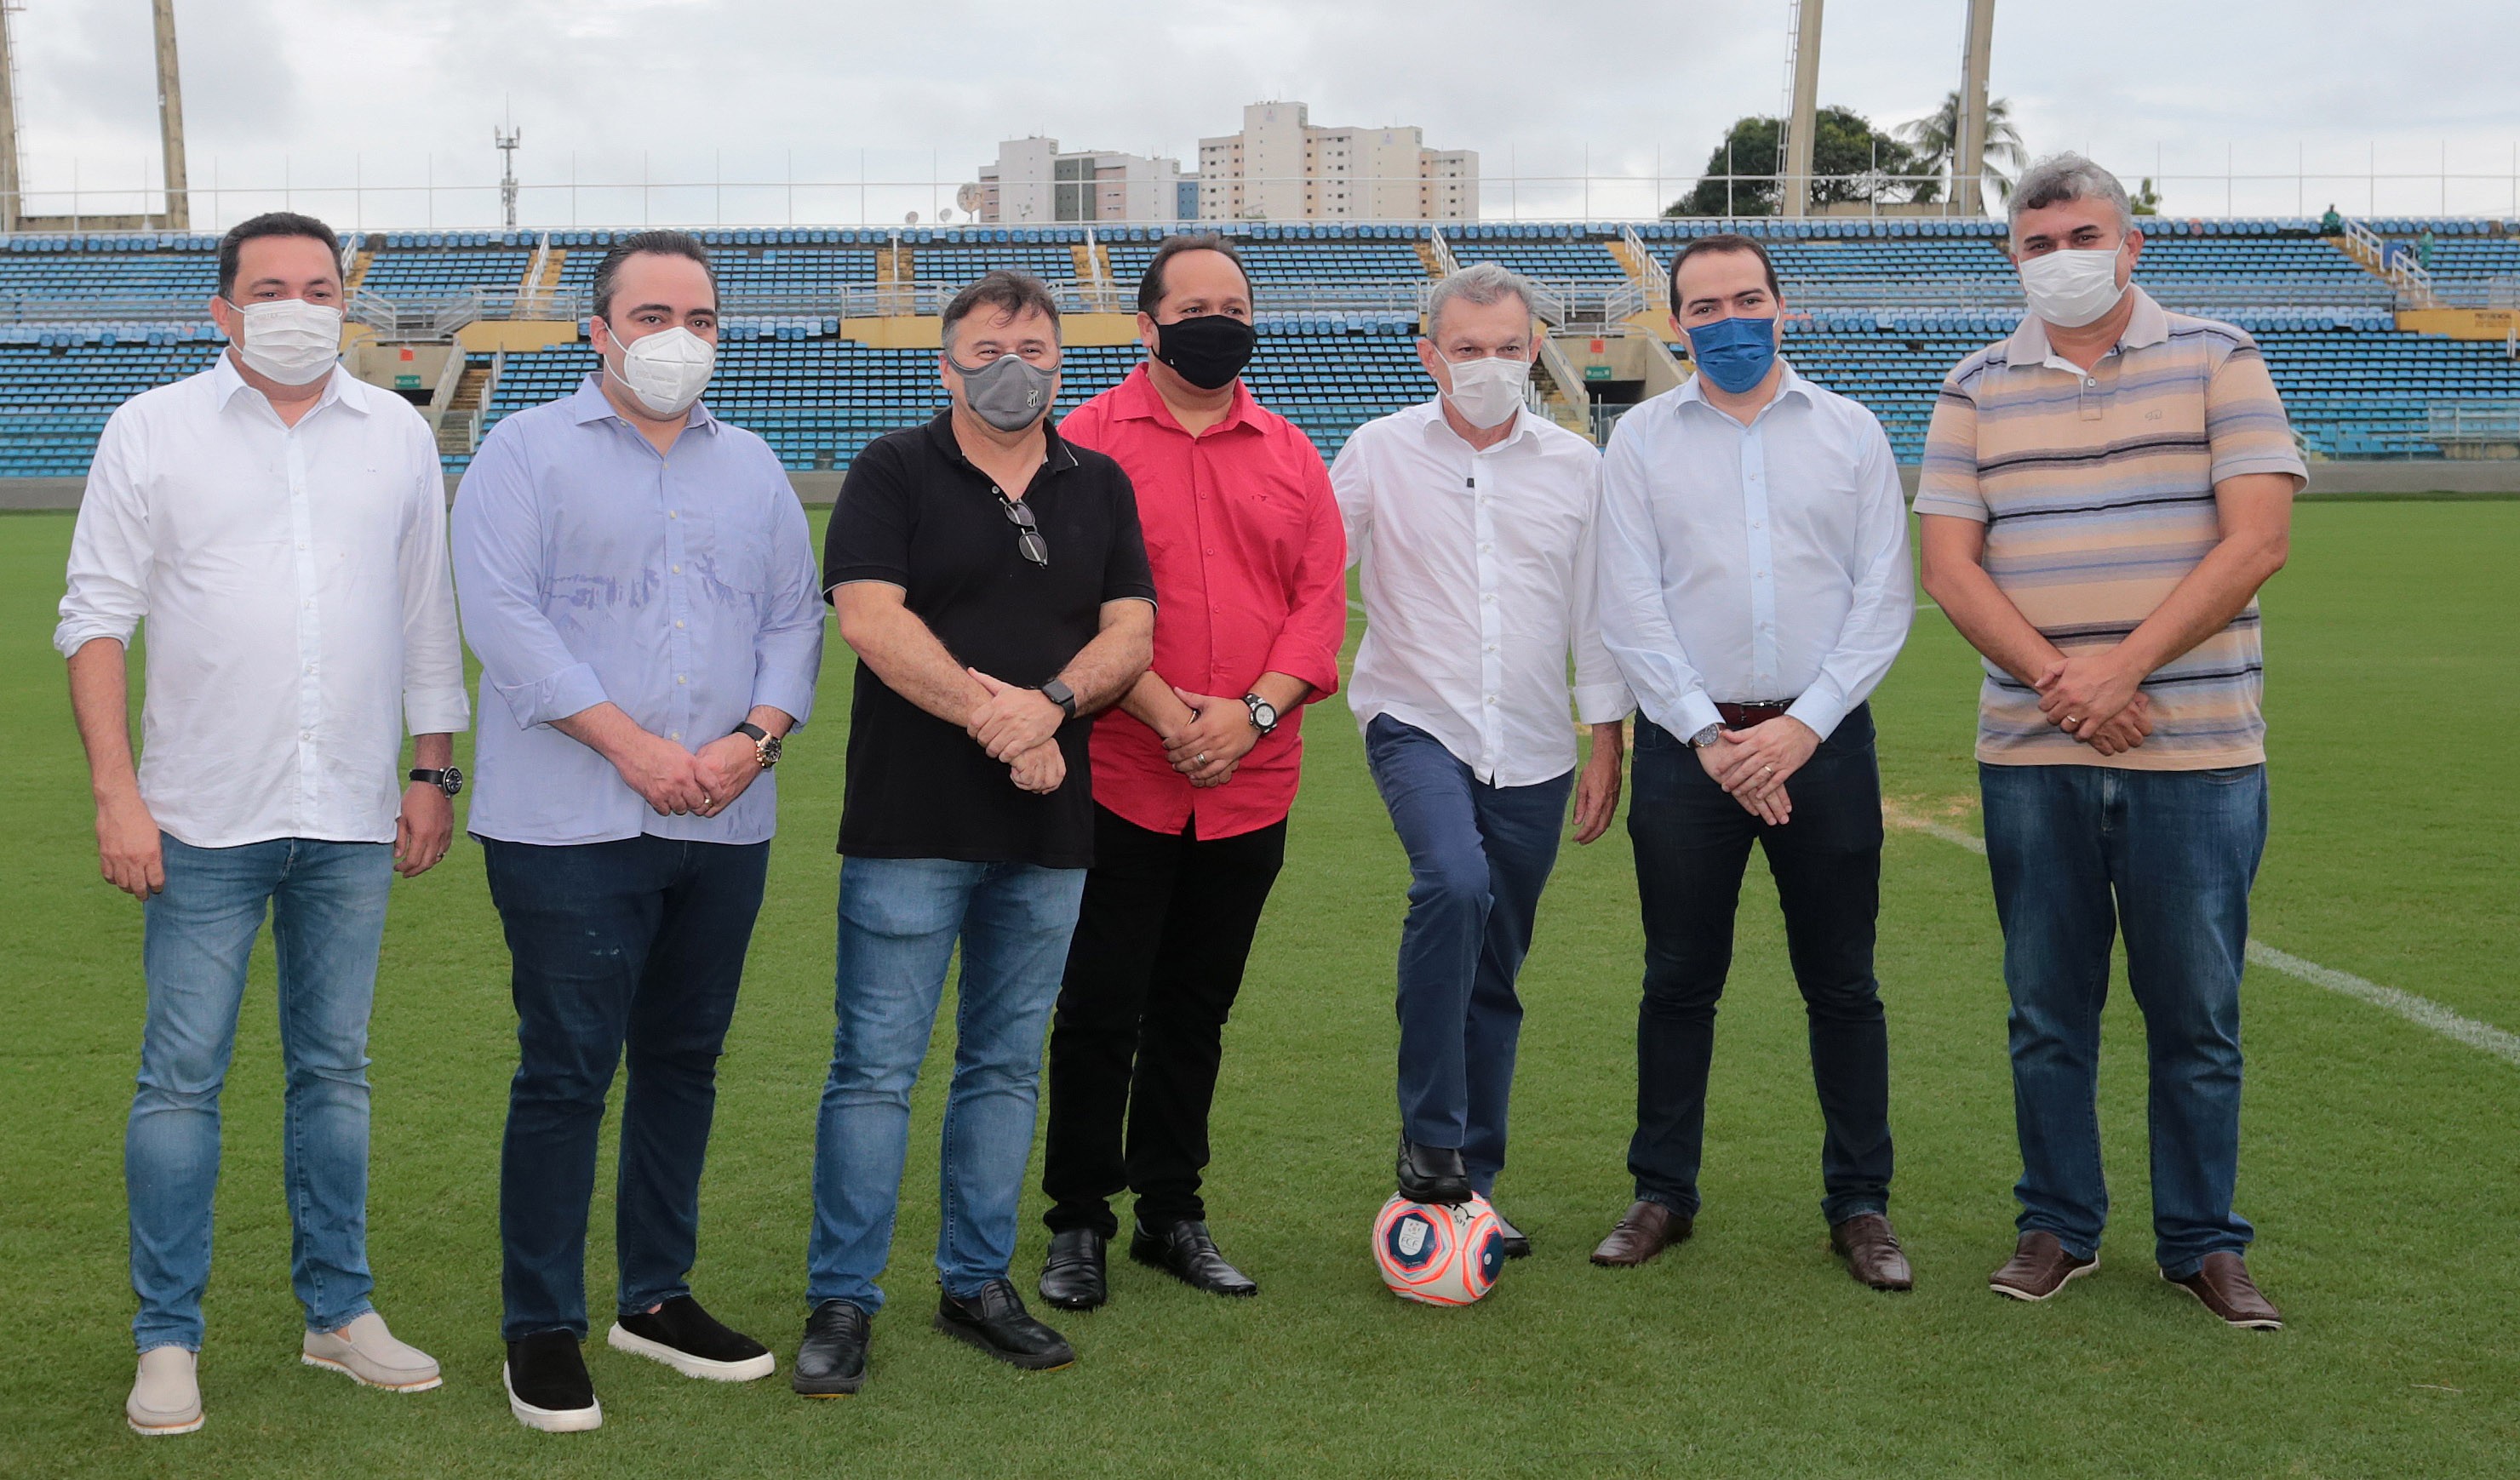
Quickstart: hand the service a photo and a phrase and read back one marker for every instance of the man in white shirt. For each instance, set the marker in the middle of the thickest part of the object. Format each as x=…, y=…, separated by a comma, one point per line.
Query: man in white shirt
x=280, y=527
x=1755, y=588
x=1473, y=521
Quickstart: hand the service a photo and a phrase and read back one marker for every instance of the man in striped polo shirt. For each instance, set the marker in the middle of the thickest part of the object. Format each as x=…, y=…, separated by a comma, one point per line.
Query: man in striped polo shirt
x=2103, y=494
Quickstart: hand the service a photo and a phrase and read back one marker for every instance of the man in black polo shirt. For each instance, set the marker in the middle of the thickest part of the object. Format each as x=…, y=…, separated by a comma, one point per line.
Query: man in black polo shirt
x=991, y=579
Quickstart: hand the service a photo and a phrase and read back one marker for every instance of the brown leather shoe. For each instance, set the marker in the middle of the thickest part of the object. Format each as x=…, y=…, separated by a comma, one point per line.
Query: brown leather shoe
x=2223, y=1285
x=1645, y=1229
x=1870, y=1248
x=2038, y=1268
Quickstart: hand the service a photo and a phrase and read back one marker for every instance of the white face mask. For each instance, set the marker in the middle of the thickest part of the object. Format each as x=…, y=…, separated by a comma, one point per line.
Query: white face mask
x=1487, y=393
x=2072, y=287
x=665, y=370
x=289, y=340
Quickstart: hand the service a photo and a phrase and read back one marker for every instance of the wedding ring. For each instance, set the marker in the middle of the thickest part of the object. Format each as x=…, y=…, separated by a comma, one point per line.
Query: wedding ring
x=1202, y=757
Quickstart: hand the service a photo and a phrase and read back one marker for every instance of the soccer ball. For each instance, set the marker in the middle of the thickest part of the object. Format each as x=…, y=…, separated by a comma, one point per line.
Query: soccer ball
x=1438, y=1254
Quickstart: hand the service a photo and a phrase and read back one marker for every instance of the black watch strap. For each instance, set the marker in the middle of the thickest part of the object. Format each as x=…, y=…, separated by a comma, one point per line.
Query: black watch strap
x=449, y=781
x=752, y=732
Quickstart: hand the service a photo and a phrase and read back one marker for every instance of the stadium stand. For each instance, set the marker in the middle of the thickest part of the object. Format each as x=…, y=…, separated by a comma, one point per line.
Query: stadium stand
x=1884, y=307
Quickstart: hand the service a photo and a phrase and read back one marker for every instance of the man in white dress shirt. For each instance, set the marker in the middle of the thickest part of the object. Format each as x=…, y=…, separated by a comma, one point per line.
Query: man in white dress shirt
x=281, y=528
x=1755, y=588
x=1473, y=521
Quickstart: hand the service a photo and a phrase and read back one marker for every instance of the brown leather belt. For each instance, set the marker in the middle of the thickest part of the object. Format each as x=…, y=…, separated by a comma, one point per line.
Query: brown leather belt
x=1744, y=716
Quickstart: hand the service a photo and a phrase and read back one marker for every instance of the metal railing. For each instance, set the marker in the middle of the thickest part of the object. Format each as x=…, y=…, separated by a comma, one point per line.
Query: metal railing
x=431, y=318
x=2473, y=423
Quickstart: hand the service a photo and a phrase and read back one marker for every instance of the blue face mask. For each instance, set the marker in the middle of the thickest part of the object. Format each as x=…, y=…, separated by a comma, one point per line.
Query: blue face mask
x=1734, y=353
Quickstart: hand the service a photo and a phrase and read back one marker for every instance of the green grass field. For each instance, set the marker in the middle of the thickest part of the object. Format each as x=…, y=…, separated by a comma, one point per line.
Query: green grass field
x=2379, y=1162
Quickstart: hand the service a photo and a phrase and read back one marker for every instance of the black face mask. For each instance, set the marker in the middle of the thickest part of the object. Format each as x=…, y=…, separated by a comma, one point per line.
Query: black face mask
x=1207, y=351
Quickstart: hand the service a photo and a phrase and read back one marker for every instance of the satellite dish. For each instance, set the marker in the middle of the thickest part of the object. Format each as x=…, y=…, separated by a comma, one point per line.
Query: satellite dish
x=968, y=199
x=911, y=219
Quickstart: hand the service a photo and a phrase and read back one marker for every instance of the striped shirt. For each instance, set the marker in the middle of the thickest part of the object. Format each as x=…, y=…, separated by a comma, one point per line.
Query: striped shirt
x=2097, y=493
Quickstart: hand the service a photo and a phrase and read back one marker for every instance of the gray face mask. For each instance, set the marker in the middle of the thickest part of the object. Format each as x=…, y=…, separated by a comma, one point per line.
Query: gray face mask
x=1009, y=392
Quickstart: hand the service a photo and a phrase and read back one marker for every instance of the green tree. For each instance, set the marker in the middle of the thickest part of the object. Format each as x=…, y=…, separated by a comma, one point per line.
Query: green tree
x=1935, y=140
x=2146, y=200
x=1851, y=160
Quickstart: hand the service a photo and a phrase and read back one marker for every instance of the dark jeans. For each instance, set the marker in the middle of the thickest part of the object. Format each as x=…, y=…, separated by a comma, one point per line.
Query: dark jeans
x=1692, y=842
x=1152, y=971
x=635, y=944
x=2080, y=852
x=1478, y=858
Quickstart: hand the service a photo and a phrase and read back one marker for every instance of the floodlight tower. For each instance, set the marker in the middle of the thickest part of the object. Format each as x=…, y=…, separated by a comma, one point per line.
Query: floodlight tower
x=507, y=137
x=1794, y=192
x=1969, y=153
x=12, y=204
x=171, y=121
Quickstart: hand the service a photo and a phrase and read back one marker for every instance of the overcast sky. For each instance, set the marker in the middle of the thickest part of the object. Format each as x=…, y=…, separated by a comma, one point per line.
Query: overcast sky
x=394, y=93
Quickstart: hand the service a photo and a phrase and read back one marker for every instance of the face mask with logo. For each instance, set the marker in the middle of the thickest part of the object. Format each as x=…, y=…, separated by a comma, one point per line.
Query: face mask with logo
x=289, y=340
x=1488, y=391
x=1209, y=351
x=2072, y=287
x=1734, y=353
x=665, y=370
x=1009, y=392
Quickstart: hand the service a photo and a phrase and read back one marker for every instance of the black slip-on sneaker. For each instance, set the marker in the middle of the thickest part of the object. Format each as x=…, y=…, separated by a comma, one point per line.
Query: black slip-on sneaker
x=548, y=1388
x=693, y=1342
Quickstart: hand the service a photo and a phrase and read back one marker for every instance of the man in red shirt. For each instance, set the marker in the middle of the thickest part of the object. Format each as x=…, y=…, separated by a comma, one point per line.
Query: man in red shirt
x=1193, y=771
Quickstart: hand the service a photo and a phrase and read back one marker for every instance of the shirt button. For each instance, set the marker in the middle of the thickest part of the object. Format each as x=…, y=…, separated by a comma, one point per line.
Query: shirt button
x=1491, y=698
x=2091, y=382
x=306, y=735
x=678, y=626
x=673, y=514
x=673, y=734
x=678, y=678
x=301, y=544
x=677, y=570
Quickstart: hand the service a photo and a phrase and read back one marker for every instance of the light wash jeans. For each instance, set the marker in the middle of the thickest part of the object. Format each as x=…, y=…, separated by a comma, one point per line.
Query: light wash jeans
x=899, y=920
x=327, y=902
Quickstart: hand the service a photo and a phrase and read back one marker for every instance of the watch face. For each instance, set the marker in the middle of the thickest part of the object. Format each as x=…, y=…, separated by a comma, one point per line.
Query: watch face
x=452, y=782
x=1264, y=714
x=773, y=747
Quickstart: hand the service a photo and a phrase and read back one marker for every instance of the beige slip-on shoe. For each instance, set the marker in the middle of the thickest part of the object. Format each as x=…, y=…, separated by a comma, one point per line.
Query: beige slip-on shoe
x=165, y=1394
x=369, y=1355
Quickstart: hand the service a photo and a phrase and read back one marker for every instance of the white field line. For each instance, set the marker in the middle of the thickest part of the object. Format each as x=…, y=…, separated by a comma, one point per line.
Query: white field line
x=2423, y=1011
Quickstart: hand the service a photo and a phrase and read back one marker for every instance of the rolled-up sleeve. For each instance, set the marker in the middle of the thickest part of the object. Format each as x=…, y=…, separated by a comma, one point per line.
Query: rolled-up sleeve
x=1307, y=647
x=1636, y=623
x=498, y=544
x=787, y=651
x=1884, y=601
x=432, y=647
x=106, y=590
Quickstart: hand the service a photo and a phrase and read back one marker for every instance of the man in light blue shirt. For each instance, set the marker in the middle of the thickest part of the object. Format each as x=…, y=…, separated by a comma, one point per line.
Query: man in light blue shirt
x=636, y=580
x=1755, y=588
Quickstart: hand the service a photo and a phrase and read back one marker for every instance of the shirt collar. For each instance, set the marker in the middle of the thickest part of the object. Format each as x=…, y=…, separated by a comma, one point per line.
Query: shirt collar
x=1524, y=431
x=1056, y=454
x=1791, y=384
x=1135, y=399
x=2148, y=326
x=227, y=381
x=588, y=403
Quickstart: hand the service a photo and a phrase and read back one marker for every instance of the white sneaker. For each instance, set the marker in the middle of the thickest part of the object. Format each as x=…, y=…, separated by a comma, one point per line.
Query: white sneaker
x=369, y=1355
x=165, y=1394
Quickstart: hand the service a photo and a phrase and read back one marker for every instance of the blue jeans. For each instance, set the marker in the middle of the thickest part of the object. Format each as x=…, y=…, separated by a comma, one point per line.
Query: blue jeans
x=327, y=902
x=899, y=920
x=2078, y=854
x=633, y=947
x=1478, y=858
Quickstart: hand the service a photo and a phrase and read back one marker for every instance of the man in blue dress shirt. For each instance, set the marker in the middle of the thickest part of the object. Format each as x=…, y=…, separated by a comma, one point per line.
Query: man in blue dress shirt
x=636, y=580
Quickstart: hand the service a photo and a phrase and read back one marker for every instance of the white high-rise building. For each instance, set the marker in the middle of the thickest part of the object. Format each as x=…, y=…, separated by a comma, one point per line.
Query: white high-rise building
x=1035, y=183
x=1280, y=167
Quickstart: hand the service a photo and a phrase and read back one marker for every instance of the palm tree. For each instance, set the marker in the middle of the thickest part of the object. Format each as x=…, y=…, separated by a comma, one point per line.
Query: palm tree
x=1936, y=136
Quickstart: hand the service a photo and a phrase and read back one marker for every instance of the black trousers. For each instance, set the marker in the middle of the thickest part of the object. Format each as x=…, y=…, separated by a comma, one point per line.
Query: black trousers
x=1692, y=842
x=1152, y=971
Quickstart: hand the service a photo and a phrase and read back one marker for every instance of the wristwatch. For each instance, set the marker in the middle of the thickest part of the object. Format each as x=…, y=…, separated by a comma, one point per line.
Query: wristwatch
x=1060, y=695
x=449, y=781
x=1705, y=737
x=1264, y=714
x=766, y=746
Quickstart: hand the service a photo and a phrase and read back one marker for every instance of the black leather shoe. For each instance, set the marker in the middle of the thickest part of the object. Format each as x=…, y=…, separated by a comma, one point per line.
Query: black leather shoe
x=830, y=1362
x=1071, y=1276
x=1185, y=1251
x=996, y=1321
x=1518, y=1243
x=1432, y=1174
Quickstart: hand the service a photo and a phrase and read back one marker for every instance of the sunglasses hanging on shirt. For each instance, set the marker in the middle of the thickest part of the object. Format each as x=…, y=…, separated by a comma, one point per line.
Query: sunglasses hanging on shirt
x=1027, y=533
